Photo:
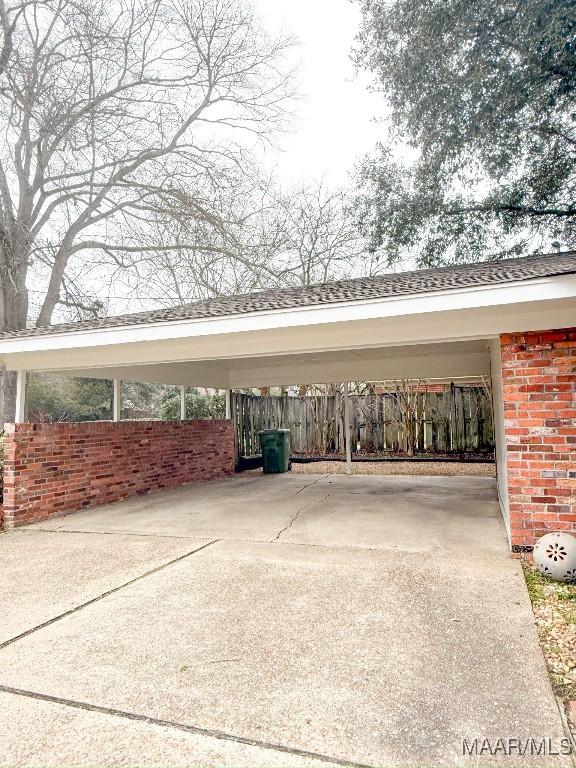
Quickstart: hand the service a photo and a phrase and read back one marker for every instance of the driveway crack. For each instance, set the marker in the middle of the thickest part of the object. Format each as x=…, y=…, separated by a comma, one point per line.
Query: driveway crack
x=295, y=517
x=314, y=482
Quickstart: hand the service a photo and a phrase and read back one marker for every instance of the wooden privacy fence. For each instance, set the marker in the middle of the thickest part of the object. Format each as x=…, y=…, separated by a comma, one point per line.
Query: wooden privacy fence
x=457, y=420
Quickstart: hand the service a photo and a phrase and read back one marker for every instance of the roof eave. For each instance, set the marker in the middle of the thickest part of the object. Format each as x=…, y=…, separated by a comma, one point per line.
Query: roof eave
x=560, y=287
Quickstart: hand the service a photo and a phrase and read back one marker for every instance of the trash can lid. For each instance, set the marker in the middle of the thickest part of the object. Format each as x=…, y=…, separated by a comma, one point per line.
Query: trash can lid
x=271, y=431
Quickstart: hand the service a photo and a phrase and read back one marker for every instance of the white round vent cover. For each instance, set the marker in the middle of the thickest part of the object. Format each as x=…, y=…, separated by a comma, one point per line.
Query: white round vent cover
x=555, y=556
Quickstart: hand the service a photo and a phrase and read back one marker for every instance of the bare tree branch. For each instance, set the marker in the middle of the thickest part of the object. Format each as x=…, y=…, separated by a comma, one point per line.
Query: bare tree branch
x=117, y=113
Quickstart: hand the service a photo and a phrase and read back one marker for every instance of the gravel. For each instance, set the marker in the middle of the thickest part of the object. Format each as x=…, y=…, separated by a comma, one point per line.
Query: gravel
x=554, y=606
x=442, y=468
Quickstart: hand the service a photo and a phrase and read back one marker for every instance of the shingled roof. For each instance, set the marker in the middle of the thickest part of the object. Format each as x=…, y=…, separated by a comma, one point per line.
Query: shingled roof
x=359, y=289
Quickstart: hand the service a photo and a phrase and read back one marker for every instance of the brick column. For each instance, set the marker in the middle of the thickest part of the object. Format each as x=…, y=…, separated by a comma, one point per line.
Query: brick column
x=539, y=378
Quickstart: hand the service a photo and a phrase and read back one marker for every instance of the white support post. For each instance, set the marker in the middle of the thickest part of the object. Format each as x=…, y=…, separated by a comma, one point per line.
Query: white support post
x=182, y=402
x=116, y=400
x=228, y=400
x=347, y=438
x=20, y=414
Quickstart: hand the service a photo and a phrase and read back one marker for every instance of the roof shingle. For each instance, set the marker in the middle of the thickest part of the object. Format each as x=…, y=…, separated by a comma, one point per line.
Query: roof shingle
x=358, y=289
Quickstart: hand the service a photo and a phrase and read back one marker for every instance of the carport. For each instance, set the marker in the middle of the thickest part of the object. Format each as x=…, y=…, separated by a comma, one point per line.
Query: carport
x=254, y=621
x=511, y=322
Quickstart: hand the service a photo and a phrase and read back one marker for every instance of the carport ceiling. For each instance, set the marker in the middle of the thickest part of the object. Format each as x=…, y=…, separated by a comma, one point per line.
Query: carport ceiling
x=433, y=361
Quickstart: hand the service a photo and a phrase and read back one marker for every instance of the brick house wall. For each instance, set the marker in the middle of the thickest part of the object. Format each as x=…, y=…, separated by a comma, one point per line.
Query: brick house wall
x=539, y=391
x=50, y=469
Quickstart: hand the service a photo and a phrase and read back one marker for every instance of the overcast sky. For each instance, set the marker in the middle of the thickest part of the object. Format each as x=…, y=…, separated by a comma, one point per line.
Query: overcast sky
x=334, y=125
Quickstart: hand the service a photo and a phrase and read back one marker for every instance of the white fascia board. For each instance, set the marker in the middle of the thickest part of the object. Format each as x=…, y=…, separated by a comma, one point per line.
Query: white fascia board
x=544, y=289
x=417, y=329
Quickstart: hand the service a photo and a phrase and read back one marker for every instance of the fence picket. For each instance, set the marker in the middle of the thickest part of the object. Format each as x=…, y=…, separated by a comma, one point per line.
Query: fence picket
x=458, y=420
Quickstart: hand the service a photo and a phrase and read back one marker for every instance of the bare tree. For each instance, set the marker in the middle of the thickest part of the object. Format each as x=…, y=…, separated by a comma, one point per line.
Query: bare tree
x=321, y=240
x=7, y=35
x=110, y=108
x=407, y=395
x=271, y=239
x=113, y=112
x=193, y=259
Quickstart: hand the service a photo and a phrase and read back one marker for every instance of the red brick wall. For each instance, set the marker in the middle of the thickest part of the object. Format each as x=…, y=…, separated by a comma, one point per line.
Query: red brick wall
x=54, y=468
x=539, y=378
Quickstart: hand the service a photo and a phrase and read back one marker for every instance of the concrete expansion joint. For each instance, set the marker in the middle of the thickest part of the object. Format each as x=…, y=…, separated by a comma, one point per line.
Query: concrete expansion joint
x=103, y=533
x=195, y=729
x=103, y=595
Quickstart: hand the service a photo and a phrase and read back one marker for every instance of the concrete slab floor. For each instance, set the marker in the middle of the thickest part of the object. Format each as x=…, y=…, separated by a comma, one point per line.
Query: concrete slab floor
x=62, y=735
x=405, y=513
x=362, y=620
x=42, y=576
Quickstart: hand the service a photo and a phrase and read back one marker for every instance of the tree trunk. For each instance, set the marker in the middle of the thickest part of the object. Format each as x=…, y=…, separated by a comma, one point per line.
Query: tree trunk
x=13, y=316
x=7, y=396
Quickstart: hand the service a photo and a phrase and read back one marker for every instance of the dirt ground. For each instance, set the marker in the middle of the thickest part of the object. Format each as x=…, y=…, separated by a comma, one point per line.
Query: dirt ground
x=424, y=468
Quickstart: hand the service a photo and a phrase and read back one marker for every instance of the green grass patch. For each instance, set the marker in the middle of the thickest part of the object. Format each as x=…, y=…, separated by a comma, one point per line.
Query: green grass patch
x=535, y=583
x=567, y=593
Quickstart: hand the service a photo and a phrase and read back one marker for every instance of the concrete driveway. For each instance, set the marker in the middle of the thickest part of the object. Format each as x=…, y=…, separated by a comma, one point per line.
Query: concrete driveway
x=272, y=621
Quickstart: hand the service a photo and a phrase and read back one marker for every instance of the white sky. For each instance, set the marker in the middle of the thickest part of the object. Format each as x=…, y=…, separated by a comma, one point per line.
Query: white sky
x=334, y=124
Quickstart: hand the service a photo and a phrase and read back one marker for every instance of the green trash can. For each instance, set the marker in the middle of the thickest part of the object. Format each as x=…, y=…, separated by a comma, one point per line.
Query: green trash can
x=275, y=447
